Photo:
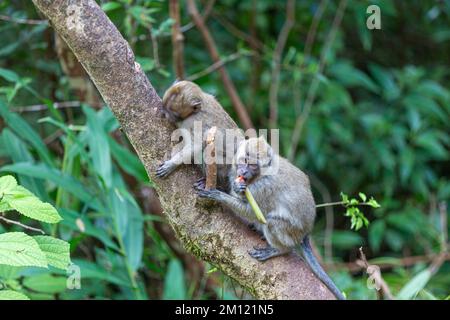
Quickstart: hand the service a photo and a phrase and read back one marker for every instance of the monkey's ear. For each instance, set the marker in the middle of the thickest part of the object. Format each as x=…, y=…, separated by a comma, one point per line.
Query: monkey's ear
x=196, y=105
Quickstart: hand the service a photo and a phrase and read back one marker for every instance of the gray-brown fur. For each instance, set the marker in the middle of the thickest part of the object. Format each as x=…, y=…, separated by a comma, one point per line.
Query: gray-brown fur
x=284, y=197
x=185, y=103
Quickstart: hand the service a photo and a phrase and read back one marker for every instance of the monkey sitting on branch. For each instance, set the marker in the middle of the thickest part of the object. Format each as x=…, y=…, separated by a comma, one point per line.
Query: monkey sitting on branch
x=283, y=193
x=195, y=112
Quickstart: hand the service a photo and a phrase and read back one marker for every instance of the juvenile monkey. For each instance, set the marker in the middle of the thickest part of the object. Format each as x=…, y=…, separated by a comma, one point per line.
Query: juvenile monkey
x=186, y=105
x=284, y=196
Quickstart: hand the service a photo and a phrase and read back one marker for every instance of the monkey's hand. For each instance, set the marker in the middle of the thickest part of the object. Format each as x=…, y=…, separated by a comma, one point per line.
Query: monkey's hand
x=165, y=169
x=210, y=194
x=239, y=185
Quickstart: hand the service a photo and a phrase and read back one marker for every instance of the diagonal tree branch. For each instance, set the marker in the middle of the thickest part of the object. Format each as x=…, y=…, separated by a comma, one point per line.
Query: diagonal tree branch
x=211, y=234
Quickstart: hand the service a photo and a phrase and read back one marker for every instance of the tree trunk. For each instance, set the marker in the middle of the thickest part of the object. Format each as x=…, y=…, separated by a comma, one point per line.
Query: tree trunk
x=209, y=233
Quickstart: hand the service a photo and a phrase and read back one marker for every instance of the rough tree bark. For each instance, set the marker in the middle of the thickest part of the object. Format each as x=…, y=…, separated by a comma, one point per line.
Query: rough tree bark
x=209, y=233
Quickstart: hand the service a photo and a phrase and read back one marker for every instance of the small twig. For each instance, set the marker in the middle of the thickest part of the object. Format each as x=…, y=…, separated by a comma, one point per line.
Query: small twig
x=21, y=225
x=340, y=203
x=155, y=49
x=42, y=107
x=404, y=262
x=228, y=84
x=214, y=66
x=22, y=21
x=374, y=272
x=255, y=43
x=329, y=216
x=301, y=119
x=211, y=165
x=276, y=62
x=177, y=39
x=313, y=28
x=205, y=14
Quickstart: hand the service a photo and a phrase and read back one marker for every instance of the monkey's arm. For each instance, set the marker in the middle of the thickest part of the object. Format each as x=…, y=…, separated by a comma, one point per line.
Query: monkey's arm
x=238, y=206
x=185, y=155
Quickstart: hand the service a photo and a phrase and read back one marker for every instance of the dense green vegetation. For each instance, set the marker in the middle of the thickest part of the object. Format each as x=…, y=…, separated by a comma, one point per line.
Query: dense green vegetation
x=370, y=110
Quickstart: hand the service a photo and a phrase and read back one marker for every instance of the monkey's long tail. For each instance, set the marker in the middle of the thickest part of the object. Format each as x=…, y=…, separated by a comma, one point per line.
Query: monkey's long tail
x=317, y=268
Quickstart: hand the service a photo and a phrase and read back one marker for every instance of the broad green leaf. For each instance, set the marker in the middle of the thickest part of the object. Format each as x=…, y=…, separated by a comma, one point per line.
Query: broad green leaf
x=65, y=181
x=9, y=75
x=110, y=6
x=98, y=146
x=56, y=251
x=29, y=205
x=410, y=290
x=45, y=283
x=352, y=77
x=376, y=233
x=128, y=161
x=18, y=152
x=12, y=295
x=73, y=220
x=90, y=270
x=26, y=132
x=134, y=236
x=19, y=249
x=174, y=283
x=7, y=183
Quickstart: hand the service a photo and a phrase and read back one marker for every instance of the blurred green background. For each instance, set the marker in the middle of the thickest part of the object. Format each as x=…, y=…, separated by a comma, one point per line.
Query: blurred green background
x=372, y=107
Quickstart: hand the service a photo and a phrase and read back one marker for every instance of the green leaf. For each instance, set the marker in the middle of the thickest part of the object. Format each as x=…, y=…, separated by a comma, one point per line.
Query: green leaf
x=410, y=290
x=376, y=233
x=29, y=205
x=128, y=161
x=56, y=251
x=110, y=6
x=64, y=181
x=12, y=295
x=90, y=270
x=45, y=283
x=362, y=196
x=73, y=220
x=174, y=284
x=7, y=183
x=26, y=132
x=9, y=75
x=344, y=198
x=18, y=152
x=18, y=249
x=98, y=146
x=134, y=236
x=373, y=203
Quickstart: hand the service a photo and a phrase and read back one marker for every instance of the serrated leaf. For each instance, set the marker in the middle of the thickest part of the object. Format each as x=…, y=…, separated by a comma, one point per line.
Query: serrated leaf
x=7, y=183
x=19, y=249
x=12, y=295
x=56, y=251
x=29, y=205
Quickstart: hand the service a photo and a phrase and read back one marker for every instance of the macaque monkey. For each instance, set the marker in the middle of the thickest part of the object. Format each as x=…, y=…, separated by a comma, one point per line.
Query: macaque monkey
x=186, y=105
x=284, y=195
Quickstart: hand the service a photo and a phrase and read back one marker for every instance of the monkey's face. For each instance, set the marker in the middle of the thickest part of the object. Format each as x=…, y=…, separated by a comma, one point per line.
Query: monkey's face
x=181, y=100
x=252, y=155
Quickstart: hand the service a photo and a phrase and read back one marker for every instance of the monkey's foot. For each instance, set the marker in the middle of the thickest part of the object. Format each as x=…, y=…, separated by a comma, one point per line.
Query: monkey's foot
x=200, y=184
x=164, y=169
x=263, y=254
